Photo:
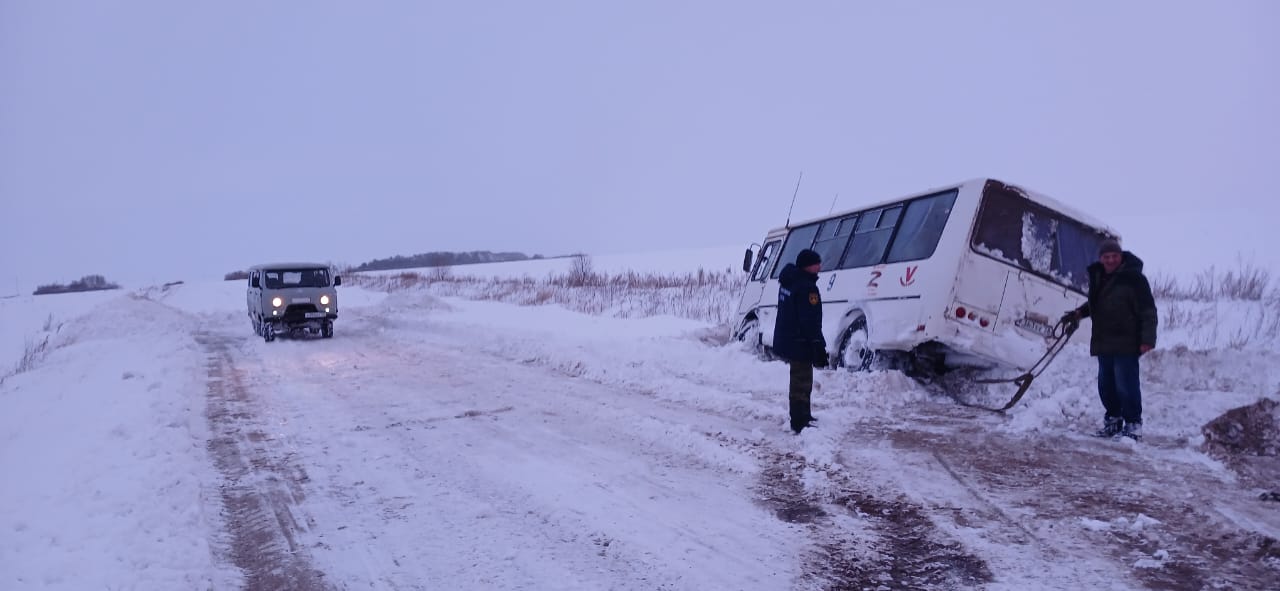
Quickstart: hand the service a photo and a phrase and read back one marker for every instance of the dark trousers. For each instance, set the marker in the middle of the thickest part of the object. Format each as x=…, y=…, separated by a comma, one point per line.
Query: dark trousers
x=801, y=388
x=1119, y=387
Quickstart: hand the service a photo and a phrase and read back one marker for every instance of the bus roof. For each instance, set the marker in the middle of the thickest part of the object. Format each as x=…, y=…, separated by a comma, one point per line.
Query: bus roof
x=1036, y=196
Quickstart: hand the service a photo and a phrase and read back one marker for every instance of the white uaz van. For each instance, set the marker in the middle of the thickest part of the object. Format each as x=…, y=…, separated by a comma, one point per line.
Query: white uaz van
x=293, y=299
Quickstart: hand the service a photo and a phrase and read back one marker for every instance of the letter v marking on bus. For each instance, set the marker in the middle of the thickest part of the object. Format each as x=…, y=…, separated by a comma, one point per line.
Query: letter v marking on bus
x=910, y=278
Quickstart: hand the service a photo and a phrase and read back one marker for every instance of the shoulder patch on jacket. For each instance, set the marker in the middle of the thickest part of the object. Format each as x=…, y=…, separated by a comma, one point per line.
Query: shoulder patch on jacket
x=813, y=299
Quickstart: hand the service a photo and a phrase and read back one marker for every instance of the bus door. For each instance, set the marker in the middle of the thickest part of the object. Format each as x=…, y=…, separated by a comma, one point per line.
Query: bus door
x=754, y=289
x=1034, y=304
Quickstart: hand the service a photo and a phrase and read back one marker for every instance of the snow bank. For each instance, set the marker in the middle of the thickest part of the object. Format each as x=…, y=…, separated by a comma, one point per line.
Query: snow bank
x=27, y=320
x=106, y=482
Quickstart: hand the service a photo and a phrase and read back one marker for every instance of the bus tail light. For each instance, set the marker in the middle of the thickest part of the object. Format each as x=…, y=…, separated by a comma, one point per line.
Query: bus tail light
x=972, y=316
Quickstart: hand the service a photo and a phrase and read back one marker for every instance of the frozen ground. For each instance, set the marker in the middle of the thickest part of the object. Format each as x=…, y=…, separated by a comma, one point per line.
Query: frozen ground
x=447, y=443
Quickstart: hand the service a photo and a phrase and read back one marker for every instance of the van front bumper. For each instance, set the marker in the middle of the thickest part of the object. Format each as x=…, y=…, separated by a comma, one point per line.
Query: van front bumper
x=292, y=317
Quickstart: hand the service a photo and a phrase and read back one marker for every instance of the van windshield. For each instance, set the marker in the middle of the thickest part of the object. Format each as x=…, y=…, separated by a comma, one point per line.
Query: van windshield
x=1022, y=233
x=283, y=278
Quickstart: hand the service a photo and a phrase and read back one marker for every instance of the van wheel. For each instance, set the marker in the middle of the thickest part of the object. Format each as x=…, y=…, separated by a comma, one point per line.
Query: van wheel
x=326, y=330
x=268, y=332
x=257, y=325
x=855, y=353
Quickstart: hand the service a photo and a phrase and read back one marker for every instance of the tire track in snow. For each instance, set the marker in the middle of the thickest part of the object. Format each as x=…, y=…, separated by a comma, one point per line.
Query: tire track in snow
x=1028, y=515
x=900, y=549
x=1115, y=506
x=905, y=547
x=260, y=489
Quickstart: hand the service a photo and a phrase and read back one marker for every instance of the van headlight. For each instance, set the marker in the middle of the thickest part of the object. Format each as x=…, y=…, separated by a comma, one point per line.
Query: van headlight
x=277, y=302
x=324, y=300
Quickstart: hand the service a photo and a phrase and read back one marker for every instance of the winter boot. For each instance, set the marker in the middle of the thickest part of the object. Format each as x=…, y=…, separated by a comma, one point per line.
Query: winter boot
x=809, y=419
x=1111, y=426
x=1132, y=431
x=799, y=415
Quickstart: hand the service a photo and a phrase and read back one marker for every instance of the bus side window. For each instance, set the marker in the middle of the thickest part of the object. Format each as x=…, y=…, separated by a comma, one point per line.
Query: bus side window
x=921, y=228
x=766, y=259
x=832, y=240
x=871, y=238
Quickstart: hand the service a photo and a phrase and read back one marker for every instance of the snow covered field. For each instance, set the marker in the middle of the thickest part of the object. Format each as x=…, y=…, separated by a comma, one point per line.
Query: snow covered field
x=440, y=441
x=669, y=261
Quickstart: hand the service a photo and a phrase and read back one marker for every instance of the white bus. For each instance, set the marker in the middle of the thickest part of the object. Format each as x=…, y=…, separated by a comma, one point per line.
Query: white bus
x=969, y=275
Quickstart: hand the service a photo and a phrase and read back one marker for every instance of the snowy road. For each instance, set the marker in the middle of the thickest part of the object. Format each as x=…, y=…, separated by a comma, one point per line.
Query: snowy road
x=479, y=445
x=428, y=465
x=421, y=450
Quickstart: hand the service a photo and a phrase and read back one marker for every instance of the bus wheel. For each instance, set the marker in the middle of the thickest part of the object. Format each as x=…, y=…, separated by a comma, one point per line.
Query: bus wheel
x=750, y=334
x=855, y=354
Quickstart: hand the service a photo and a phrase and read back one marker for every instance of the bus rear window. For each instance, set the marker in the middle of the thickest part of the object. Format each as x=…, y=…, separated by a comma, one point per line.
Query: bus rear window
x=1019, y=232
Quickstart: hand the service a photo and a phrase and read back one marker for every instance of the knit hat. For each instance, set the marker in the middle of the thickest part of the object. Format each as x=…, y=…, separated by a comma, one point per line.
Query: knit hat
x=807, y=257
x=1109, y=245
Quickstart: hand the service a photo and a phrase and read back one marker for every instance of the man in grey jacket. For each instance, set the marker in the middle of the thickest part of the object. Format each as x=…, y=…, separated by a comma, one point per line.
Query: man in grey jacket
x=1124, y=328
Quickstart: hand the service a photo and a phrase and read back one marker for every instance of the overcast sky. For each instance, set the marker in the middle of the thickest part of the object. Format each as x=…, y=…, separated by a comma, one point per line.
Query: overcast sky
x=151, y=141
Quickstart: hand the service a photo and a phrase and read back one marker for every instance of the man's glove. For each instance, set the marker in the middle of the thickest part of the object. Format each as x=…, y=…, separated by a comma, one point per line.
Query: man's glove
x=820, y=357
x=1070, y=322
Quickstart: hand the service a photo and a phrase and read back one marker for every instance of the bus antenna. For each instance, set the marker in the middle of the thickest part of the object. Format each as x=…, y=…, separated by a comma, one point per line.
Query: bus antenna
x=793, y=198
x=833, y=204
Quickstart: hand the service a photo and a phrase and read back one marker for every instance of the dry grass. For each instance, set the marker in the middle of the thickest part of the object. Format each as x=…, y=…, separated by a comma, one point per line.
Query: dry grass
x=1210, y=309
x=37, y=348
x=1210, y=306
x=1177, y=315
x=1223, y=322
x=1164, y=286
x=1246, y=282
x=703, y=295
x=33, y=353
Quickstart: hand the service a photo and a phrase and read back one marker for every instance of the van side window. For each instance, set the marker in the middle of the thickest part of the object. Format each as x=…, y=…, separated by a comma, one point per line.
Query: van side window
x=798, y=240
x=764, y=261
x=921, y=228
x=871, y=237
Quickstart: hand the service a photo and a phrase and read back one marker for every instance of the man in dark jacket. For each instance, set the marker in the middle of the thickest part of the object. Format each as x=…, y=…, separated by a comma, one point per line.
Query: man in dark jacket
x=797, y=331
x=1124, y=328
